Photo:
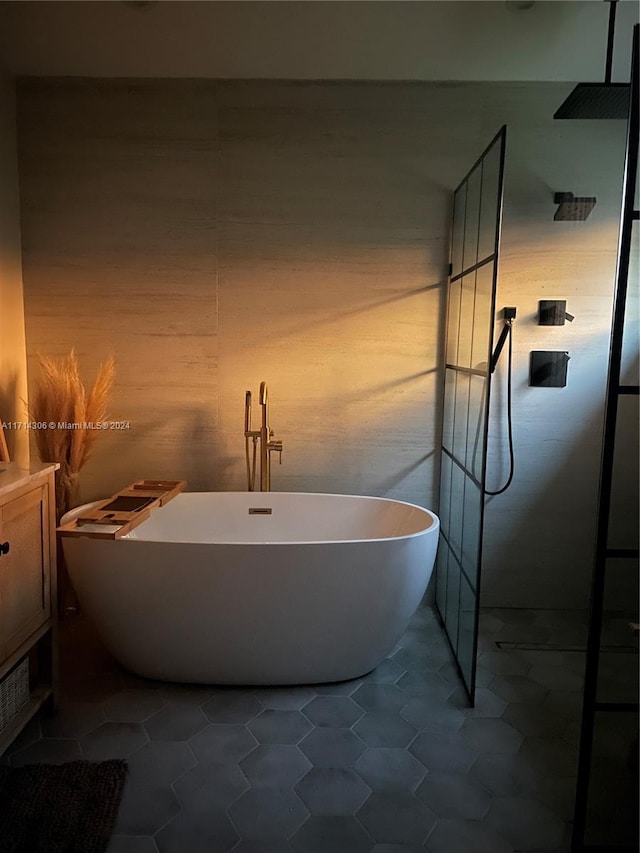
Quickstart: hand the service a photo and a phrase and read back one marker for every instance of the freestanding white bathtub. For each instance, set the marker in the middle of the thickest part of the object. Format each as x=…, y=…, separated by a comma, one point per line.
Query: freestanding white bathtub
x=206, y=590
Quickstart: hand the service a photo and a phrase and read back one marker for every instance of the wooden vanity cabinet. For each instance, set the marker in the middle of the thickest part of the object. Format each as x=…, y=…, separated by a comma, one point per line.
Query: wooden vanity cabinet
x=27, y=596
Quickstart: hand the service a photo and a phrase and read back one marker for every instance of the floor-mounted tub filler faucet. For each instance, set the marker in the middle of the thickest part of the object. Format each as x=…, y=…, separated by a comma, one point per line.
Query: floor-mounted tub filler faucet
x=262, y=437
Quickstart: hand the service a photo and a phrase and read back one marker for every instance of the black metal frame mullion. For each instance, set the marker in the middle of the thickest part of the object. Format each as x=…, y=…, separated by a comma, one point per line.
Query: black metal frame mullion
x=590, y=703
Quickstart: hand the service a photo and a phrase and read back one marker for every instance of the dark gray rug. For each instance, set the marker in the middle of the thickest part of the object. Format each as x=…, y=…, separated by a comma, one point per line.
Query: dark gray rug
x=60, y=808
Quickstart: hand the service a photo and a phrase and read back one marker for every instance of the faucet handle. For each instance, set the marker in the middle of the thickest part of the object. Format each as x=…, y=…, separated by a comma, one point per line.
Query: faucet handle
x=275, y=446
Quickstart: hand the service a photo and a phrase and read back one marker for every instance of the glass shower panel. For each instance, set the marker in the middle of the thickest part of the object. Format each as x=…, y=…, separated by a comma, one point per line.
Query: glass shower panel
x=476, y=221
x=441, y=577
x=453, y=321
x=457, y=238
x=445, y=496
x=460, y=419
x=456, y=511
x=475, y=429
x=489, y=201
x=482, y=319
x=453, y=602
x=625, y=503
x=465, y=330
x=466, y=628
x=471, y=531
x=630, y=363
x=472, y=218
x=448, y=408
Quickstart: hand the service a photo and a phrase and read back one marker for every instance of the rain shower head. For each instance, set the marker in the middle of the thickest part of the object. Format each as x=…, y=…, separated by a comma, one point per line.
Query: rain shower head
x=599, y=100
x=596, y=101
x=572, y=209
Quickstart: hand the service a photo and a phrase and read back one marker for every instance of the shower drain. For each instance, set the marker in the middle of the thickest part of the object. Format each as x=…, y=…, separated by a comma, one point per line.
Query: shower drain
x=552, y=647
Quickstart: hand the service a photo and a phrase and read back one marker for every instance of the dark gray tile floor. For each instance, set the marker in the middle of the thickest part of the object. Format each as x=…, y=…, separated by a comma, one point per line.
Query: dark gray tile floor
x=393, y=762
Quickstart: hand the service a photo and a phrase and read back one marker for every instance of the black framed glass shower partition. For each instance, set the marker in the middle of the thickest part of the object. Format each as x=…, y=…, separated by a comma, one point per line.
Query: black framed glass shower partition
x=607, y=790
x=477, y=217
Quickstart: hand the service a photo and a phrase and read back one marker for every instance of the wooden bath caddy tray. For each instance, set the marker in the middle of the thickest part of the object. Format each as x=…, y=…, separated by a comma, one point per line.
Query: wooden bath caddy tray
x=125, y=510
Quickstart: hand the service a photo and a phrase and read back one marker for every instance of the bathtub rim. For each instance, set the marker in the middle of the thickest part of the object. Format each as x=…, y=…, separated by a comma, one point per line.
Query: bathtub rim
x=433, y=528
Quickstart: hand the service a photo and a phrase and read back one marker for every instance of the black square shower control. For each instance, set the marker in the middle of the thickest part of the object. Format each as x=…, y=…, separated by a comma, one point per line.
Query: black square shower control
x=552, y=312
x=548, y=369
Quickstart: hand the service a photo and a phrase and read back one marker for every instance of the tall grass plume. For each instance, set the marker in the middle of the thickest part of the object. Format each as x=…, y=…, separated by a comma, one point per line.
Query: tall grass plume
x=60, y=398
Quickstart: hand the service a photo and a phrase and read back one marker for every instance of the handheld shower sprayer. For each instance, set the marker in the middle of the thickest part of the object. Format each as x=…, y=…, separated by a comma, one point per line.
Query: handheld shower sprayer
x=508, y=315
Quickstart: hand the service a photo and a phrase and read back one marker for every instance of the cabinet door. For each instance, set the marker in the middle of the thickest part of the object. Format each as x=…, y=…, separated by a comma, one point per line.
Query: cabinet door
x=25, y=591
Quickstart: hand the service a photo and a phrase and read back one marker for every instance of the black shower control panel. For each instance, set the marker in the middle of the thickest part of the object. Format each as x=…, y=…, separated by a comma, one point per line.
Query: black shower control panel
x=553, y=312
x=548, y=369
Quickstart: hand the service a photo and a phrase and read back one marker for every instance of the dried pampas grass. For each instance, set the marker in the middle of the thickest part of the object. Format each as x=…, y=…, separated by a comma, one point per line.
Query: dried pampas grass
x=60, y=398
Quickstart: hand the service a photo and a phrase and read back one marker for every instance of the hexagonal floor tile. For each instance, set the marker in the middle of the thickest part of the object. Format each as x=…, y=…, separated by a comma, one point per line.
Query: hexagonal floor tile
x=387, y=672
x=263, y=847
x=487, y=704
x=210, y=786
x=550, y=756
x=415, y=654
x=527, y=824
x=132, y=844
x=268, y=813
x=160, y=762
x=190, y=694
x=47, y=751
x=396, y=818
x=337, y=688
x=208, y=831
x=491, y=735
x=452, y=795
x=535, y=720
x=145, y=808
x=327, y=747
x=424, y=684
x=275, y=765
x=384, y=768
x=332, y=791
x=505, y=775
x=466, y=836
x=133, y=705
x=564, y=703
x=273, y=726
x=518, y=688
x=436, y=751
x=175, y=722
x=113, y=740
x=232, y=706
x=489, y=623
x=504, y=663
x=338, y=834
x=284, y=698
x=556, y=678
x=432, y=713
x=333, y=711
x=384, y=728
x=221, y=743
x=375, y=696
x=73, y=720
